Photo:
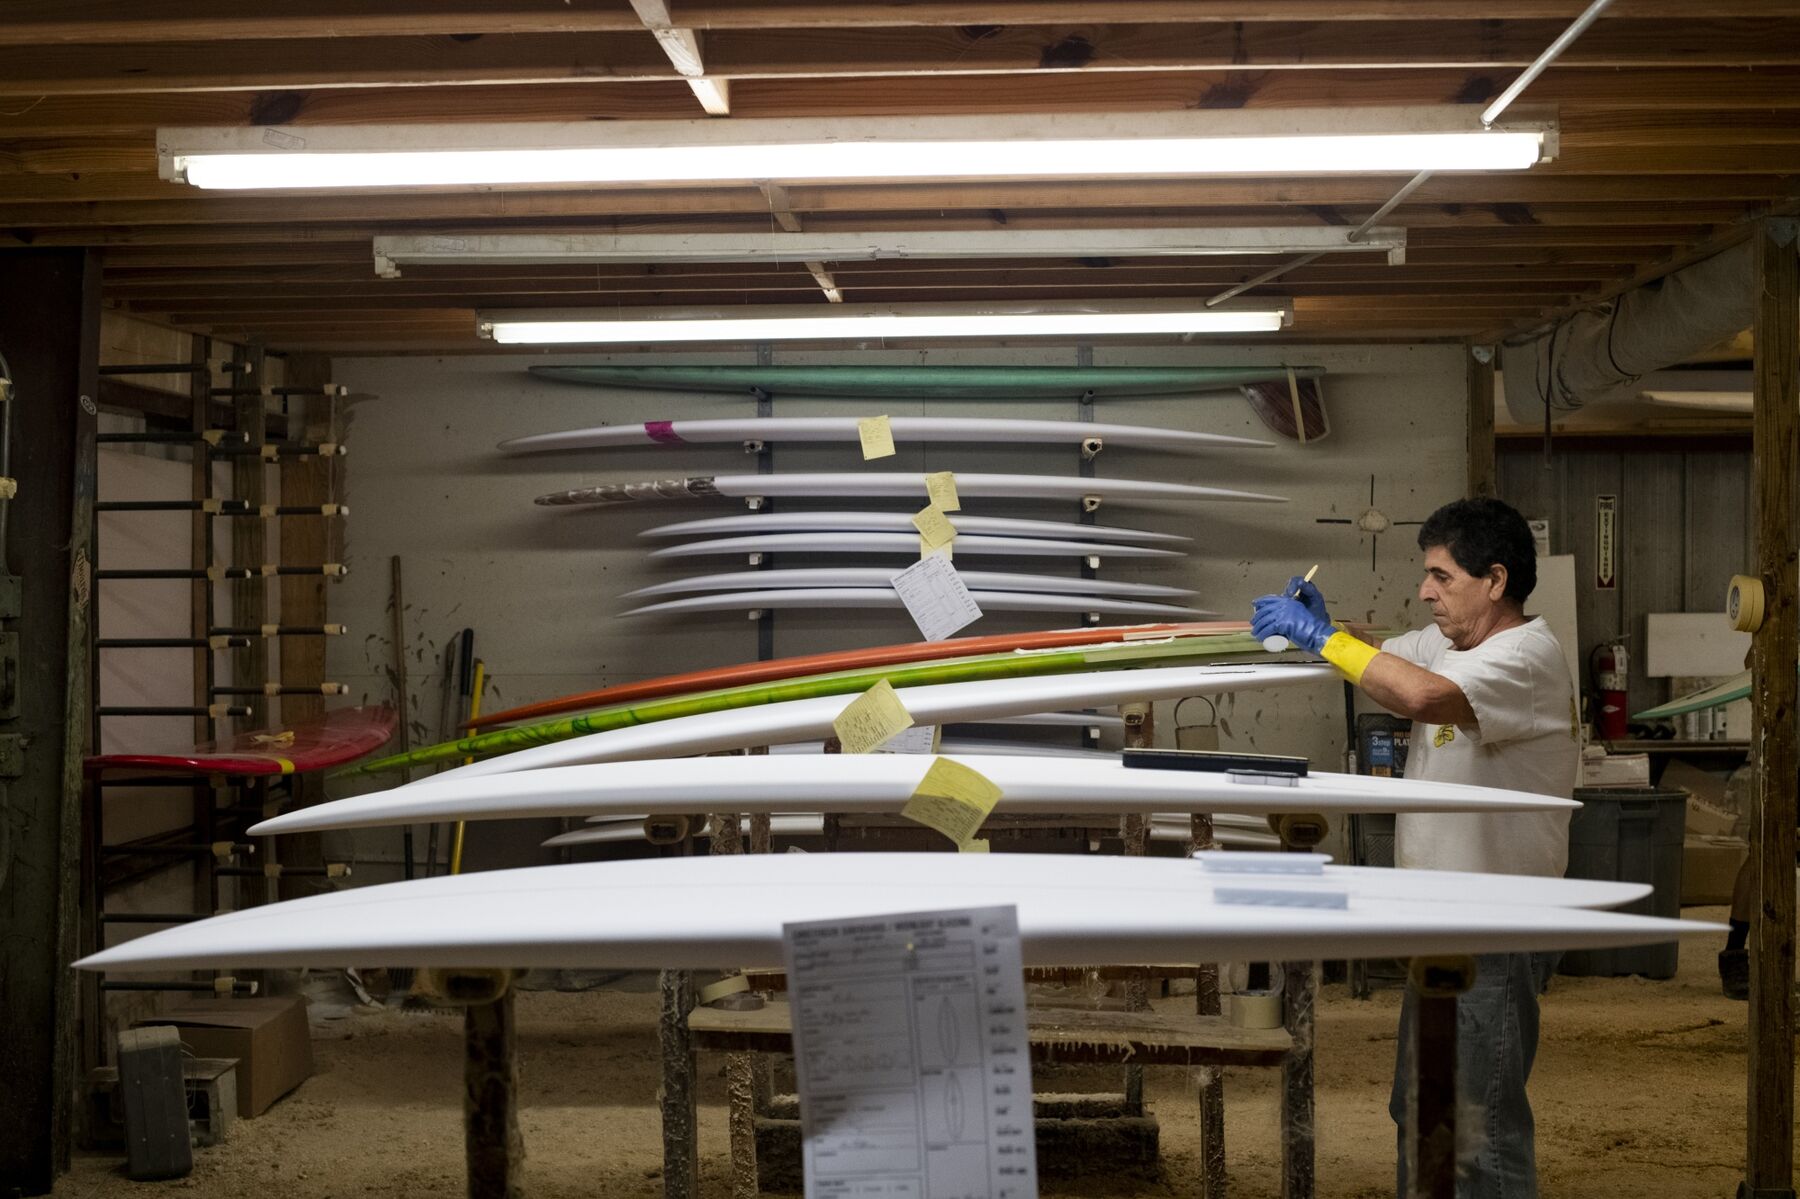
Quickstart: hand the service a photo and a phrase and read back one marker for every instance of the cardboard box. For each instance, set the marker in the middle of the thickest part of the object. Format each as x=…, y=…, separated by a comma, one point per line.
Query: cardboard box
x=1615, y=770
x=1709, y=868
x=1709, y=813
x=268, y=1037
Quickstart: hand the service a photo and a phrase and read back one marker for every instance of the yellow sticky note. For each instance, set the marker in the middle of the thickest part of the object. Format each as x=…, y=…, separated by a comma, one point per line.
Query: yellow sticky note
x=933, y=525
x=870, y=719
x=952, y=799
x=941, y=487
x=944, y=550
x=977, y=845
x=877, y=437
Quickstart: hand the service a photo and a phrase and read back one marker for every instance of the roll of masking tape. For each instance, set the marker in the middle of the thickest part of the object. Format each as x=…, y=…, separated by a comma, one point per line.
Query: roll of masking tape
x=1744, y=603
x=1256, y=1010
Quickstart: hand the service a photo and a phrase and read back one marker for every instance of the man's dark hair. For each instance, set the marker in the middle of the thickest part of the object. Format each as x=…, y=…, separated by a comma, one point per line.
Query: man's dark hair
x=1480, y=533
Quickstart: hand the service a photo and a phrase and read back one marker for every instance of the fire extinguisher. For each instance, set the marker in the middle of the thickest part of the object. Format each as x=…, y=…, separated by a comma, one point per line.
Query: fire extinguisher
x=1610, y=665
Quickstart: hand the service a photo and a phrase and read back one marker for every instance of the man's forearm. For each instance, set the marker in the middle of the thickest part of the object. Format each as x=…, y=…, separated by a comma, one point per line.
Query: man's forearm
x=1414, y=692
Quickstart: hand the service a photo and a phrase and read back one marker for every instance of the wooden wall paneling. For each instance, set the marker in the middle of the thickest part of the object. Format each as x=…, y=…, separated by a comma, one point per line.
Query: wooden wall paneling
x=1478, y=394
x=1652, y=576
x=1717, y=536
x=1523, y=482
x=1588, y=474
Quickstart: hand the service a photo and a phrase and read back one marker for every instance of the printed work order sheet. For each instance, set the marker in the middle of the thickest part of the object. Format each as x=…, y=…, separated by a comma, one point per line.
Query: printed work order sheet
x=910, y=1049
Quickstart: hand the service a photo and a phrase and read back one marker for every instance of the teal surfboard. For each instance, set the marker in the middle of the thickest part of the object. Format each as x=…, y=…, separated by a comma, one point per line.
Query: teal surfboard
x=930, y=382
x=1715, y=696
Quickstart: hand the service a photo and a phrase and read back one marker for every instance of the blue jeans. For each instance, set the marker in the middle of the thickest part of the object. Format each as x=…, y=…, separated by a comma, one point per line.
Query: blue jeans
x=1496, y=1040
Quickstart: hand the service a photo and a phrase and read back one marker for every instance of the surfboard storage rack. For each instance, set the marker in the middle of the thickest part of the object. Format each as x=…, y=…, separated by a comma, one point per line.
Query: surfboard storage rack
x=234, y=432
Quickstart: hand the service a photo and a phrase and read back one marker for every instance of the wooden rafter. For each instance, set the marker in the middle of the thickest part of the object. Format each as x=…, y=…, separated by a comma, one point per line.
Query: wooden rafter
x=777, y=198
x=683, y=49
x=933, y=53
x=1678, y=122
x=40, y=22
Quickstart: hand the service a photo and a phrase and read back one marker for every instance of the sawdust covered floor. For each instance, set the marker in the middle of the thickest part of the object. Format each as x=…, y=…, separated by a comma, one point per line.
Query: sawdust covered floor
x=1639, y=1089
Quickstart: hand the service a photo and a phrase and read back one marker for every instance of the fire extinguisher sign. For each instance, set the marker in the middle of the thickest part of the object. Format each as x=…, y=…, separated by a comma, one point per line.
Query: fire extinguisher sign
x=1606, y=542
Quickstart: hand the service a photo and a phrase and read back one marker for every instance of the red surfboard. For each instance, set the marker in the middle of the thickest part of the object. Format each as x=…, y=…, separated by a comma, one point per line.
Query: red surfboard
x=338, y=737
x=745, y=673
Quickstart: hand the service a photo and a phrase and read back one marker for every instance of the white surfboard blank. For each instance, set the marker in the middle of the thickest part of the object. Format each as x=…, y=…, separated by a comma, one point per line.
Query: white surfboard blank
x=906, y=544
x=1092, y=720
x=980, y=430
x=898, y=522
x=887, y=597
x=901, y=483
x=666, y=913
x=1247, y=833
x=881, y=783
x=875, y=576
x=940, y=703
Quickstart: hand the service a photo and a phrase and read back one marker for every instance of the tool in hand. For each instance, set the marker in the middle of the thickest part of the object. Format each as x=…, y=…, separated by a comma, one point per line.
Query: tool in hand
x=1278, y=643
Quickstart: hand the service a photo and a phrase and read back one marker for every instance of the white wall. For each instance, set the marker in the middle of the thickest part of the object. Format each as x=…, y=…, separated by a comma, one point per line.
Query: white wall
x=539, y=585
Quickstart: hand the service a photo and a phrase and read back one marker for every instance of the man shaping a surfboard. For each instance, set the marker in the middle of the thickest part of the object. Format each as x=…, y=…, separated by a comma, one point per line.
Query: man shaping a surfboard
x=1491, y=701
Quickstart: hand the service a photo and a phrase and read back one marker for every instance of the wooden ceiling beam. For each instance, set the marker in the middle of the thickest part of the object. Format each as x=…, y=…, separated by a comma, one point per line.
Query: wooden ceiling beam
x=1123, y=285
x=431, y=59
x=1584, y=126
x=1721, y=88
x=328, y=281
x=44, y=22
x=752, y=14
x=271, y=318
x=291, y=240
x=1198, y=204
x=1500, y=263
x=1715, y=90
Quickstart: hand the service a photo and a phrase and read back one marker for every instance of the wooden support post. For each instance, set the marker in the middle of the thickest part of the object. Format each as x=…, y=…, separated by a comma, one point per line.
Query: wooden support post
x=740, y=1066
x=1210, y=1080
x=50, y=335
x=1431, y=1095
x=680, y=1118
x=1769, y=1169
x=1478, y=374
x=762, y=1074
x=492, y=1144
x=1300, y=833
x=200, y=596
x=304, y=541
x=250, y=547
x=1134, y=831
x=200, y=531
x=308, y=481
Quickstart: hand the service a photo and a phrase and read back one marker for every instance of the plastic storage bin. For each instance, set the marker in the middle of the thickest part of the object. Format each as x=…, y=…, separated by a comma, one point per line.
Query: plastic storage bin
x=1631, y=835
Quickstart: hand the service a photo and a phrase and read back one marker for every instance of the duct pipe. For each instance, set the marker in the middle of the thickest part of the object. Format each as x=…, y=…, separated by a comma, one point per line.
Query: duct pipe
x=1597, y=356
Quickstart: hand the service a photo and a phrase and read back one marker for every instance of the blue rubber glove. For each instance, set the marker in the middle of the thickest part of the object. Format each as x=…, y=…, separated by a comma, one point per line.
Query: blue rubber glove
x=1309, y=595
x=1285, y=616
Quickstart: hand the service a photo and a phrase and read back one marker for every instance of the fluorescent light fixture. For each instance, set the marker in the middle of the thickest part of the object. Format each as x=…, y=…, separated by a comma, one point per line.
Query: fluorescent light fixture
x=530, y=249
x=1705, y=401
x=846, y=322
x=1063, y=146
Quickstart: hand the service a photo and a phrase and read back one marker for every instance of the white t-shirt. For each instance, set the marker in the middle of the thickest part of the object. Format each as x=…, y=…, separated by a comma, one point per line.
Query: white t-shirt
x=1525, y=738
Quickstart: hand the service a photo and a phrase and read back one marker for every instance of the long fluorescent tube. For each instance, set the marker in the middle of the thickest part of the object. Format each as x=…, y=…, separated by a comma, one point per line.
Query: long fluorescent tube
x=1066, y=146
x=538, y=249
x=862, y=323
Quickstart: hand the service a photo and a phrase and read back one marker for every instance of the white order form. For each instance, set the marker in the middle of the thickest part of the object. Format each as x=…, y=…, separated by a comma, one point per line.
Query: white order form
x=910, y=1050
